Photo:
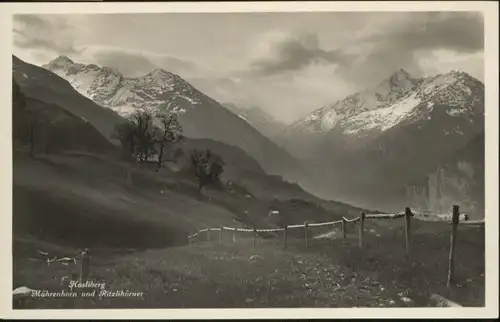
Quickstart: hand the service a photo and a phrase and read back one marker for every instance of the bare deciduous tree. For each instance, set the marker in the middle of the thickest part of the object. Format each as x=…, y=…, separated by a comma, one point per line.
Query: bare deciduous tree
x=140, y=135
x=207, y=167
x=171, y=136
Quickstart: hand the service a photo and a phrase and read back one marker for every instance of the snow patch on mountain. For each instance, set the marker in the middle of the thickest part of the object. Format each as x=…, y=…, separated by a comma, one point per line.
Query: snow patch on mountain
x=190, y=100
x=329, y=119
x=124, y=110
x=243, y=118
x=382, y=118
x=456, y=111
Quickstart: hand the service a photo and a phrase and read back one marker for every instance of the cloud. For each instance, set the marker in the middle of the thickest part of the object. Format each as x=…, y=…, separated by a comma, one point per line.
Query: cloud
x=438, y=61
x=32, y=21
x=36, y=33
x=130, y=64
x=458, y=31
x=288, y=64
x=406, y=42
x=42, y=36
x=23, y=40
x=133, y=63
x=287, y=97
x=282, y=52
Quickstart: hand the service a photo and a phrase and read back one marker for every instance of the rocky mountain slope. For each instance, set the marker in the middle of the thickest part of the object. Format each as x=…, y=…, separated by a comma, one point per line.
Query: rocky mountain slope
x=259, y=119
x=382, y=138
x=201, y=116
x=457, y=179
x=42, y=85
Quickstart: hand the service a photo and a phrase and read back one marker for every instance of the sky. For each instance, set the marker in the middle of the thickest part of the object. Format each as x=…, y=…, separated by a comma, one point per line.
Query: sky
x=288, y=64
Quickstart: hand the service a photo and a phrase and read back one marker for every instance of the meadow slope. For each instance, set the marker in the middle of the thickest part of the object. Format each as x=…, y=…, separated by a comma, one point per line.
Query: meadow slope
x=138, y=239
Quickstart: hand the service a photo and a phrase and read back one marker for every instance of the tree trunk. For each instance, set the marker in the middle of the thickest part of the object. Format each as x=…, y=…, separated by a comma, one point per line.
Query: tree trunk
x=32, y=140
x=129, y=175
x=160, y=155
x=132, y=149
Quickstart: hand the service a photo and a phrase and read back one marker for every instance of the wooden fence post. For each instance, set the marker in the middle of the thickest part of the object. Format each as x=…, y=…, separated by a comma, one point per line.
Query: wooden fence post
x=220, y=237
x=85, y=265
x=361, y=228
x=285, y=233
x=254, y=236
x=344, y=235
x=305, y=235
x=451, y=260
x=408, y=215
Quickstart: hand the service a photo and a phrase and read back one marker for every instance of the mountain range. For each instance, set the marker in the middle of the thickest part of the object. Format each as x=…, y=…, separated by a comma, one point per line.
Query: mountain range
x=382, y=139
x=371, y=148
x=201, y=116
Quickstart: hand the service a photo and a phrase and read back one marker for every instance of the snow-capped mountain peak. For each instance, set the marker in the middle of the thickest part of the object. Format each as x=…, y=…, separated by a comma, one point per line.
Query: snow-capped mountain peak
x=399, y=83
x=400, y=97
x=400, y=75
x=159, y=77
x=156, y=90
x=61, y=61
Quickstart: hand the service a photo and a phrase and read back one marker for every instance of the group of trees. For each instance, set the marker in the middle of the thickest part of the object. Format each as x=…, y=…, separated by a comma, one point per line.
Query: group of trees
x=207, y=167
x=145, y=136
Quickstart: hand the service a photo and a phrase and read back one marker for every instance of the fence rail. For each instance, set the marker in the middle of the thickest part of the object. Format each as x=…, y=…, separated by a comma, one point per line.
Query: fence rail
x=408, y=214
x=330, y=223
x=472, y=223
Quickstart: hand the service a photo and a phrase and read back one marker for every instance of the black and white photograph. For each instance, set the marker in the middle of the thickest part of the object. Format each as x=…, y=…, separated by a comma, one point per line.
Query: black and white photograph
x=249, y=160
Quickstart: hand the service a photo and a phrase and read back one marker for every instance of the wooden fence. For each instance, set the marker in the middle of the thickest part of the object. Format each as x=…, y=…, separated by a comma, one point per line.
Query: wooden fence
x=23, y=293
x=407, y=214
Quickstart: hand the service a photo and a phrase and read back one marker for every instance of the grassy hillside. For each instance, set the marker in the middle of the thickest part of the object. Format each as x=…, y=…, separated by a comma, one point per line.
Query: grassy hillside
x=54, y=128
x=89, y=192
x=84, y=199
x=66, y=201
x=332, y=273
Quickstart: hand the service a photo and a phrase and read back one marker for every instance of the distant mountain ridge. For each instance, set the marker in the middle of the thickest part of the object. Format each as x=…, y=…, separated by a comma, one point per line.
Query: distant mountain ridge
x=258, y=118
